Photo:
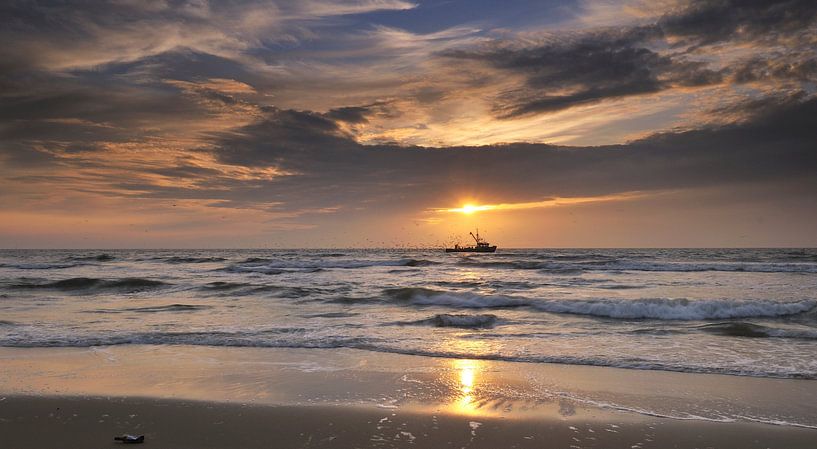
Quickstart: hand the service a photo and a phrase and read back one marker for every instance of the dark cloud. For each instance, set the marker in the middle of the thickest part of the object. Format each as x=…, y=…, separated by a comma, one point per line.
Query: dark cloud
x=711, y=21
x=286, y=135
x=774, y=146
x=587, y=69
x=762, y=107
x=350, y=114
x=590, y=67
x=779, y=68
x=325, y=168
x=358, y=115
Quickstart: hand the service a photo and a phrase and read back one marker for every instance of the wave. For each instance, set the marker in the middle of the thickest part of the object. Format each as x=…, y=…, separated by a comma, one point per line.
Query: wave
x=781, y=372
x=352, y=300
x=429, y=297
x=800, y=256
x=253, y=269
x=751, y=330
x=228, y=289
x=715, y=266
x=416, y=263
x=94, y=258
x=455, y=320
x=269, y=266
x=647, y=308
x=180, y=260
x=41, y=266
x=620, y=287
x=224, y=286
x=156, y=309
x=270, y=338
x=303, y=338
x=82, y=283
x=618, y=265
x=675, y=309
x=514, y=264
x=331, y=315
x=256, y=260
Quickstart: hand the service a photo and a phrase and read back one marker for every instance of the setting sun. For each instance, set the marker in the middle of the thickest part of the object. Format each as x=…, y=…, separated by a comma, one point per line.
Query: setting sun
x=469, y=209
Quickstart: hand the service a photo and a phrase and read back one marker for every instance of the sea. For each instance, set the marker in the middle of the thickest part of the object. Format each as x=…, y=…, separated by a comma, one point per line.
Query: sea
x=748, y=312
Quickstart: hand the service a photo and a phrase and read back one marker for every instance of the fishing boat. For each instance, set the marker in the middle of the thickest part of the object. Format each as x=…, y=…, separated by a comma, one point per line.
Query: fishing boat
x=481, y=247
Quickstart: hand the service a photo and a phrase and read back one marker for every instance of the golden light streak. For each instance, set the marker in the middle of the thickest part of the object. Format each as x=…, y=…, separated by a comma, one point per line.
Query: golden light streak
x=469, y=209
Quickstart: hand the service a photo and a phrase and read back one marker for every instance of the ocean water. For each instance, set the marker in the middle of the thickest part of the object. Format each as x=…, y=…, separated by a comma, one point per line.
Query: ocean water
x=741, y=312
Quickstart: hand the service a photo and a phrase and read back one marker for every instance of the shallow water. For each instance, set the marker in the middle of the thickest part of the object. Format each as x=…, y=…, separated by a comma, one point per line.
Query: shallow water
x=746, y=312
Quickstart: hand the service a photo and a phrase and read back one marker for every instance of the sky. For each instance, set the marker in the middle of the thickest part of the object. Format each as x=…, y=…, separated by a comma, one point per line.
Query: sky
x=407, y=123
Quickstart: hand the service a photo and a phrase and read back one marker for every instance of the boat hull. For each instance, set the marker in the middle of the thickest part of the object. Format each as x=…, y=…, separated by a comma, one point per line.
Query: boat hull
x=485, y=249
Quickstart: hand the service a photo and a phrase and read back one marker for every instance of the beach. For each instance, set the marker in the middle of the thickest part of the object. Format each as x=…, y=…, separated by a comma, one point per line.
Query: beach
x=527, y=348
x=202, y=397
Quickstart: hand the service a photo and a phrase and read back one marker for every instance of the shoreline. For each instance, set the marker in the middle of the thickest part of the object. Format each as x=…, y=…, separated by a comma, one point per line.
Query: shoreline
x=82, y=422
x=199, y=396
x=290, y=376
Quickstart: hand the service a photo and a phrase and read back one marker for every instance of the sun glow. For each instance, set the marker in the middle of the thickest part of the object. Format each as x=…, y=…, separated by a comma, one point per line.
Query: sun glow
x=469, y=209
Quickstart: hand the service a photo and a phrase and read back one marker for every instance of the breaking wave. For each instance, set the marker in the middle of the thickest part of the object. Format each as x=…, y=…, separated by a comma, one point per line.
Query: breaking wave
x=650, y=308
x=752, y=330
x=429, y=297
x=617, y=265
x=94, y=258
x=303, y=338
x=82, y=283
x=675, y=309
x=455, y=320
x=271, y=338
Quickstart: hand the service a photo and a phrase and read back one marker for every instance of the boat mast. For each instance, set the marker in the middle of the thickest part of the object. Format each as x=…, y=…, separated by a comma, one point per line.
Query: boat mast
x=476, y=237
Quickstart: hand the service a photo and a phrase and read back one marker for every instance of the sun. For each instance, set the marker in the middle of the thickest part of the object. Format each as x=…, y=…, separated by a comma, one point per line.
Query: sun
x=468, y=208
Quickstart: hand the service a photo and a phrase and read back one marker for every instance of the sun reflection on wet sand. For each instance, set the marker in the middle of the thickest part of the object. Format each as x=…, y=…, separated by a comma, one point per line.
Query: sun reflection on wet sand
x=468, y=374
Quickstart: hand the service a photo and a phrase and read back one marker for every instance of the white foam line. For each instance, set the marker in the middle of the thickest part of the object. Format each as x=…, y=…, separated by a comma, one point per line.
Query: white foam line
x=685, y=417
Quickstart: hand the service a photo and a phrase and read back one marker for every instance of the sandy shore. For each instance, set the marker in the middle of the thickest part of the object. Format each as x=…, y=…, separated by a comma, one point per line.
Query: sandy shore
x=77, y=422
x=202, y=397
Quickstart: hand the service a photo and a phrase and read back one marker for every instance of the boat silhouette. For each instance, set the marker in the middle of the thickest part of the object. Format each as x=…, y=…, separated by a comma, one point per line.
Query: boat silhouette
x=481, y=247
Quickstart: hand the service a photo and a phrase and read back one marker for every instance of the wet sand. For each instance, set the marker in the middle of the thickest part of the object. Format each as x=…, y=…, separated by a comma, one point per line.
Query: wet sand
x=201, y=397
x=77, y=422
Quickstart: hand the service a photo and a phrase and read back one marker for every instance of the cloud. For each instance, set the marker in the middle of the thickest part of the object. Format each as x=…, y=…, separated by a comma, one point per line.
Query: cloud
x=89, y=34
x=293, y=108
x=568, y=69
x=330, y=168
x=351, y=114
x=588, y=68
x=776, y=68
x=712, y=21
